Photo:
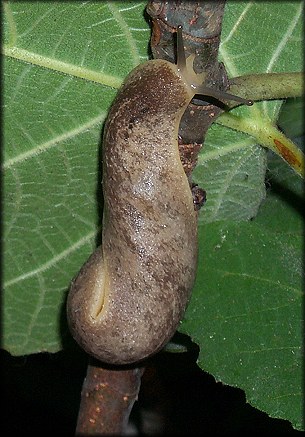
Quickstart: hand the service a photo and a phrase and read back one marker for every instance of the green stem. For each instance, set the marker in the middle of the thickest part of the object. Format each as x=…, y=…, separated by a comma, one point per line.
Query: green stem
x=269, y=136
x=267, y=86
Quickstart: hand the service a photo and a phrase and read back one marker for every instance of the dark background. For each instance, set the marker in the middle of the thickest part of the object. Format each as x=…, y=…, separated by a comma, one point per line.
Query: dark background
x=41, y=395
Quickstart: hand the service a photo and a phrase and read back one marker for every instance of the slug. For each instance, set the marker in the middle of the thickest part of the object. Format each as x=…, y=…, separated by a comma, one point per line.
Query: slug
x=129, y=297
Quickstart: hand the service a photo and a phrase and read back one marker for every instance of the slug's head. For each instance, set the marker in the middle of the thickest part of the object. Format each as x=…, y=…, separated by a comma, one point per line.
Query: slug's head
x=194, y=81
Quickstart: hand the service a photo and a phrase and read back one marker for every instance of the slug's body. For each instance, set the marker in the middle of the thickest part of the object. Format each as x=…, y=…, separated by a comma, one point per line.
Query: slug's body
x=129, y=297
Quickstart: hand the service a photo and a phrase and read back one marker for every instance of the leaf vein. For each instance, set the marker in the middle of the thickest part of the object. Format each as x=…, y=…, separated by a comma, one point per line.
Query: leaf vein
x=52, y=262
x=62, y=67
x=124, y=26
x=284, y=40
x=53, y=142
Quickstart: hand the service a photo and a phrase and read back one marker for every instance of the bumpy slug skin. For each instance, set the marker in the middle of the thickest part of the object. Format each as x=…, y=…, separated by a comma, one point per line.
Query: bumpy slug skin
x=129, y=297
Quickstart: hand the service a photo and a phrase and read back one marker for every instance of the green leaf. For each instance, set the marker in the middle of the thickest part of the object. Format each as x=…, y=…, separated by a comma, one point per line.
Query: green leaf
x=231, y=167
x=53, y=124
x=246, y=308
x=246, y=314
x=291, y=117
x=261, y=38
x=232, y=171
x=63, y=63
x=283, y=209
x=246, y=311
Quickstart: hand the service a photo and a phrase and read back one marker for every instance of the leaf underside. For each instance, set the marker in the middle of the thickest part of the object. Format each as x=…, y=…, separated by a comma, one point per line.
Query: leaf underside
x=63, y=64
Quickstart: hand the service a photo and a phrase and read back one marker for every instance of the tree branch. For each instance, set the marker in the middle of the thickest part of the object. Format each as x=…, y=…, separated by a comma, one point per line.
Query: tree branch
x=107, y=397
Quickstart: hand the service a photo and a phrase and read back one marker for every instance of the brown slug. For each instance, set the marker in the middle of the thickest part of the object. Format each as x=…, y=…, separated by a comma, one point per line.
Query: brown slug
x=129, y=297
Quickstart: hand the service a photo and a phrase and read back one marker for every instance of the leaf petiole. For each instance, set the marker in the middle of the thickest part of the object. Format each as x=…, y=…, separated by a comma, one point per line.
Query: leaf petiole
x=267, y=135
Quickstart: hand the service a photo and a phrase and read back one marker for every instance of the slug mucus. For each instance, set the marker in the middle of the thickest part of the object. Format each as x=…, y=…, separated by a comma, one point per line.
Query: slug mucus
x=129, y=297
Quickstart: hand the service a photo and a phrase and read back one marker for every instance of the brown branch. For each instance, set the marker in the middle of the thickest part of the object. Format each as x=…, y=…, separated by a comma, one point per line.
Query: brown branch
x=202, y=23
x=107, y=397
